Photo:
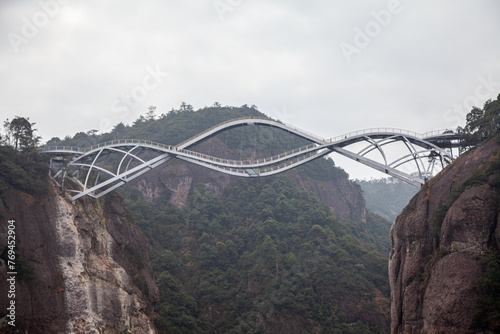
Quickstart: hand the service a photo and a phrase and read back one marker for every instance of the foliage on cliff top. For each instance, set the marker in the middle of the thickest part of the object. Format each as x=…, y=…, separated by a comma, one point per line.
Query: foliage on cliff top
x=20, y=165
x=264, y=252
x=19, y=134
x=481, y=124
x=169, y=128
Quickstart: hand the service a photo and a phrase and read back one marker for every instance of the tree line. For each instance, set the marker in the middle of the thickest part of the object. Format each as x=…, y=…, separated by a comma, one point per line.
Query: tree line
x=19, y=134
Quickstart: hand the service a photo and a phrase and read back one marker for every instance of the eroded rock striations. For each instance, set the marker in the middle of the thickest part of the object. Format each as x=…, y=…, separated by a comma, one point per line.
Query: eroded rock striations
x=82, y=266
x=438, y=243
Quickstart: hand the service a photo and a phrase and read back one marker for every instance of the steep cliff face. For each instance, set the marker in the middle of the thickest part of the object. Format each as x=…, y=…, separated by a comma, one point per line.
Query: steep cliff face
x=438, y=243
x=342, y=197
x=82, y=267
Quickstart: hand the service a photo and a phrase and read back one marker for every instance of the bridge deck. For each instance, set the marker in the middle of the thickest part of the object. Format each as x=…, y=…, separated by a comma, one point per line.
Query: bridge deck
x=422, y=147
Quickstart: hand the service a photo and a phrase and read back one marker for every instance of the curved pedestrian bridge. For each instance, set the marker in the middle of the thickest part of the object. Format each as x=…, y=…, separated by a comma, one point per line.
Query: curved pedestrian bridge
x=102, y=168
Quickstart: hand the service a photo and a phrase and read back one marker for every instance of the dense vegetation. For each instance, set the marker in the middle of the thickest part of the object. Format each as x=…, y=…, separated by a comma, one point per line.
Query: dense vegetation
x=386, y=197
x=264, y=255
x=23, y=171
x=20, y=165
x=169, y=128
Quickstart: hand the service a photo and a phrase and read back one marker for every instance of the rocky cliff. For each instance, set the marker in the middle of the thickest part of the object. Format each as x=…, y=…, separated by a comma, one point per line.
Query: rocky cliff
x=81, y=267
x=342, y=197
x=438, y=246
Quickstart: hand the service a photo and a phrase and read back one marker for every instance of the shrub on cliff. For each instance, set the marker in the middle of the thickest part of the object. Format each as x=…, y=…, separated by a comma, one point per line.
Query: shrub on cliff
x=488, y=288
x=26, y=171
x=482, y=124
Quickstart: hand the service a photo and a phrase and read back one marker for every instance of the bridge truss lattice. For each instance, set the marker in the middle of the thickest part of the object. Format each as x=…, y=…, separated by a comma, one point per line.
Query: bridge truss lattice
x=101, y=169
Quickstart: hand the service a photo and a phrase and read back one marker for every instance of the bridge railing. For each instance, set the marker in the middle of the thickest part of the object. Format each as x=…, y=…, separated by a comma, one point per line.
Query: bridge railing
x=395, y=131
x=271, y=168
x=443, y=132
x=246, y=162
x=310, y=134
x=288, y=163
x=249, y=118
x=129, y=141
x=429, y=134
x=62, y=148
x=108, y=143
x=217, y=125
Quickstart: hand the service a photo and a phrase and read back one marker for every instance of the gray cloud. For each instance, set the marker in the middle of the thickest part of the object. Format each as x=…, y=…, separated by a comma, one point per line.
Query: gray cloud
x=283, y=56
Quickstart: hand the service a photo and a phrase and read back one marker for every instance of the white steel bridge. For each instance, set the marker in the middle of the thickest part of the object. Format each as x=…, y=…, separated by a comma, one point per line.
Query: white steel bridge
x=100, y=169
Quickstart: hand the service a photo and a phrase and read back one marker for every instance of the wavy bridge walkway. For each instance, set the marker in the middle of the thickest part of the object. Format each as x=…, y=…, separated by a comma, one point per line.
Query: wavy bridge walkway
x=104, y=167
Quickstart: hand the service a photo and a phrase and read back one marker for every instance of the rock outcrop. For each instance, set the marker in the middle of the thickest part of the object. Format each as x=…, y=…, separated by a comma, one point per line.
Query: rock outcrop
x=437, y=245
x=82, y=267
x=342, y=197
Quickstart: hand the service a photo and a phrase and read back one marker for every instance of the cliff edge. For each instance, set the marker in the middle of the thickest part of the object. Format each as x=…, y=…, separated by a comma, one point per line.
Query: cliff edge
x=439, y=245
x=81, y=266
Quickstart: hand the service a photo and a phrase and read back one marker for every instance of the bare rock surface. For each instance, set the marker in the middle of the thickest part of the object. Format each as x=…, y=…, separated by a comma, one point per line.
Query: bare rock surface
x=433, y=269
x=89, y=266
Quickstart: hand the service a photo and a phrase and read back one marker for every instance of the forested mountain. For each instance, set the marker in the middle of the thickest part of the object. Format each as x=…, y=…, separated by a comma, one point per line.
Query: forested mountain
x=386, y=196
x=169, y=128
x=329, y=183
x=294, y=253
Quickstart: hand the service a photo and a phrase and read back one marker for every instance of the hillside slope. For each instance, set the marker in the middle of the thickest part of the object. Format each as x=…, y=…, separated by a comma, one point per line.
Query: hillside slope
x=264, y=257
x=326, y=181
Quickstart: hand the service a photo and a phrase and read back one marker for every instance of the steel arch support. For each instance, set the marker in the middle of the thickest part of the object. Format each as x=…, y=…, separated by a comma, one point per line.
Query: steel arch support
x=380, y=167
x=87, y=160
x=122, y=178
x=373, y=145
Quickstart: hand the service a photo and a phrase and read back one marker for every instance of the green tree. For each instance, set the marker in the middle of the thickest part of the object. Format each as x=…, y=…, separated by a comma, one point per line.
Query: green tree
x=482, y=124
x=150, y=116
x=19, y=133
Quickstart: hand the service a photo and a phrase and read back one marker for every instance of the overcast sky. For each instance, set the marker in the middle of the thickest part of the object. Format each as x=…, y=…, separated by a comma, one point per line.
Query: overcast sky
x=328, y=67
